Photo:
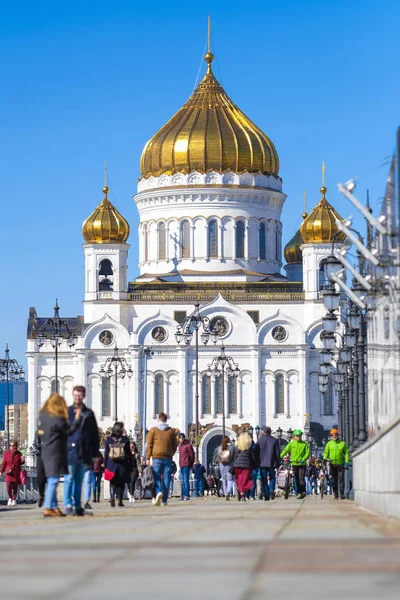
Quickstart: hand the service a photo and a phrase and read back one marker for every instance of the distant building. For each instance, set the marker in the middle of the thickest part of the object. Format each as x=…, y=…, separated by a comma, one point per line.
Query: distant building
x=18, y=394
x=18, y=423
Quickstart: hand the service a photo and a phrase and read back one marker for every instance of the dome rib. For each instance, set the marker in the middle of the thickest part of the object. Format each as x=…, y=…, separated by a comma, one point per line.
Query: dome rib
x=320, y=225
x=105, y=225
x=208, y=133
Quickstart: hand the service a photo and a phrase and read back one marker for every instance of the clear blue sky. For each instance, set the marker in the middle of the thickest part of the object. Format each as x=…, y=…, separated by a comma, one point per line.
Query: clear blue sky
x=84, y=82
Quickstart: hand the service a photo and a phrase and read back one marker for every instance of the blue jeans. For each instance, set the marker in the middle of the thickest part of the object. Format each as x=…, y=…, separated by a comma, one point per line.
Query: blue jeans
x=50, y=497
x=185, y=472
x=162, y=468
x=268, y=472
x=254, y=478
x=88, y=481
x=198, y=486
x=314, y=485
x=73, y=485
x=308, y=486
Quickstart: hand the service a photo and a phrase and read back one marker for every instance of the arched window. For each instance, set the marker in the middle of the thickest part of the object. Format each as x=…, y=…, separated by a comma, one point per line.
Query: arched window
x=145, y=244
x=213, y=239
x=277, y=242
x=240, y=239
x=106, y=267
x=206, y=395
x=328, y=399
x=105, y=397
x=105, y=285
x=161, y=241
x=218, y=383
x=279, y=394
x=158, y=394
x=322, y=279
x=185, y=239
x=262, y=241
x=232, y=395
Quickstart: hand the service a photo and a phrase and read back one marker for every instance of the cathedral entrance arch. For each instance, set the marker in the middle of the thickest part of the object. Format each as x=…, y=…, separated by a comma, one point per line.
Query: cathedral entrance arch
x=209, y=444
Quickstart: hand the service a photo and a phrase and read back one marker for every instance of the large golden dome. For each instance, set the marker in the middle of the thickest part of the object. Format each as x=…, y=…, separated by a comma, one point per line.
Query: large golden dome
x=105, y=225
x=320, y=225
x=209, y=133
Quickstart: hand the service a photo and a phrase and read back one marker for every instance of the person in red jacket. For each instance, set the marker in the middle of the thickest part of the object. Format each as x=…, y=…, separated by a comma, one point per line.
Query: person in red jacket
x=186, y=462
x=11, y=465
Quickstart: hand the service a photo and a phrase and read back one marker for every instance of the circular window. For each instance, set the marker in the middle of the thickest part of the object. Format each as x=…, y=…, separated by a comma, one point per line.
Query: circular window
x=279, y=333
x=159, y=334
x=219, y=325
x=106, y=337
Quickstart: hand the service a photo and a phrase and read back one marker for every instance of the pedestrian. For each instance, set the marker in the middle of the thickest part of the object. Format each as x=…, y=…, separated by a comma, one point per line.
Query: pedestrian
x=268, y=451
x=83, y=445
x=299, y=451
x=53, y=429
x=118, y=461
x=174, y=469
x=161, y=444
x=198, y=473
x=244, y=460
x=136, y=471
x=11, y=465
x=88, y=487
x=40, y=473
x=311, y=478
x=98, y=467
x=337, y=452
x=225, y=461
x=186, y=461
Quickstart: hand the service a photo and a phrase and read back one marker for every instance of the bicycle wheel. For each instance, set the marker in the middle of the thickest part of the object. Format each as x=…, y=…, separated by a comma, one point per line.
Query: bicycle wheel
x=321, y=489
x=287, y=488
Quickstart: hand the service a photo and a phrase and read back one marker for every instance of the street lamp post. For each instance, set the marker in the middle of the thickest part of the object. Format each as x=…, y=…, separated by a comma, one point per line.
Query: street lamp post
x=220, y=366
x=10, y=370
x=114, y=366
x=147, y=353
x=56, y=330
x=192, y=324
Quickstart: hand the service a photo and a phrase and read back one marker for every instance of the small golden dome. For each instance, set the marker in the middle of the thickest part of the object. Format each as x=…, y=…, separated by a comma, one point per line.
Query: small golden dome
x=209, y=133
x=292, y=251
x=320, y=225
x=105, y=225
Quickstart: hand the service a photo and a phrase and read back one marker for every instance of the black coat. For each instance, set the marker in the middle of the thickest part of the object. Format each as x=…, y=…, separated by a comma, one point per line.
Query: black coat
x=53, y=433
x=244, y=459
x=121, y=468
x=268, y=448
x=84, y=442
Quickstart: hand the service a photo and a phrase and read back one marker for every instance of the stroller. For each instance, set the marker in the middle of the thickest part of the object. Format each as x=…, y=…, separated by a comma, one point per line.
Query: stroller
x=284, y=479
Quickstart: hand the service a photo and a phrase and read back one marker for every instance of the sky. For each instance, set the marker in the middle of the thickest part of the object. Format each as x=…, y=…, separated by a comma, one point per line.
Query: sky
x=87, y=82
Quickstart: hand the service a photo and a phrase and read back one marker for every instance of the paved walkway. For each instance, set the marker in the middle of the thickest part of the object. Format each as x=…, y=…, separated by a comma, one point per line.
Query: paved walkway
x=206, y=548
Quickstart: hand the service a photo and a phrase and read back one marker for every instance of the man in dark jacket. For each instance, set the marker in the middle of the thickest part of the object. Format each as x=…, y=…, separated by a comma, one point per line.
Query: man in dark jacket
x=83, y=446
x=186, y=460
x=268, y=449
x=198, y=473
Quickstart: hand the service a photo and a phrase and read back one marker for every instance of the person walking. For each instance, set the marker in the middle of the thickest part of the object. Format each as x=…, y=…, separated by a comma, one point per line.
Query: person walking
x=88, y=487
x=118, y=460
x=225, y=461
x=174, y=470
x=186, y=461
x=83, y=446
x=311, y=478
x=53, y=431
x=298, y=451
x=198, y=473
x=337, y=452
x=136, y=470
x=217, y=476
x=161, y=444
x=11, y=465
x=268, y=451
x=98, y=467
x=244, y=460
x=40, y=474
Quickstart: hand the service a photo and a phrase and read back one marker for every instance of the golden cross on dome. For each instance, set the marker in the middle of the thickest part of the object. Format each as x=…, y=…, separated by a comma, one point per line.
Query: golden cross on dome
x=137, y=417
x=105, y=173
x=323, y=174
x=304, y=215
x=209, y=34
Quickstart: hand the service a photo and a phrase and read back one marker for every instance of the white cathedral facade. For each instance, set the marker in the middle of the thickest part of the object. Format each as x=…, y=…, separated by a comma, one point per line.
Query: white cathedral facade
x=210, y=200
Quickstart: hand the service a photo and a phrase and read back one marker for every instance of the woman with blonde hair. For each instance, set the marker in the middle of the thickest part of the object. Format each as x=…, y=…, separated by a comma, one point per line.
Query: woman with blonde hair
x=244, y=460
x=53, y=430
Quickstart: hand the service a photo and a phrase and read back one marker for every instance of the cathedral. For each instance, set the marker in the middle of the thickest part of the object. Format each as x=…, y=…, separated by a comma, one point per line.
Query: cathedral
x=210, y=199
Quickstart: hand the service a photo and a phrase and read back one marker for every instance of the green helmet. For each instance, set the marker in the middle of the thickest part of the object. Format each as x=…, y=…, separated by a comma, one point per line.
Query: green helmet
x=297, y=432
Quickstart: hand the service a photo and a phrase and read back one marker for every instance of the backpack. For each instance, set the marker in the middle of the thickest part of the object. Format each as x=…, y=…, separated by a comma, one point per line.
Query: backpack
x=117, y=451
x=148, y=478
x=225, y=457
